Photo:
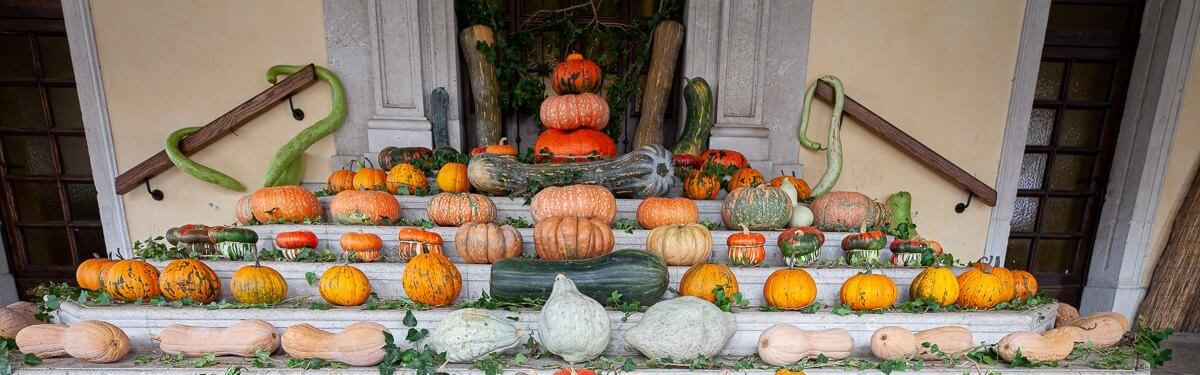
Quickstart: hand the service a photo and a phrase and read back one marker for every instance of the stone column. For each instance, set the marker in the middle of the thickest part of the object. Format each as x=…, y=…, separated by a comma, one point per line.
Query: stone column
x=753, y=53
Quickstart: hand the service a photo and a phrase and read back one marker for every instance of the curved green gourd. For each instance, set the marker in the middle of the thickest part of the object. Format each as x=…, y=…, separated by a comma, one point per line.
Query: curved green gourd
x=287, y=165
x=834, y=154
x=698, y=97
x=197, y=170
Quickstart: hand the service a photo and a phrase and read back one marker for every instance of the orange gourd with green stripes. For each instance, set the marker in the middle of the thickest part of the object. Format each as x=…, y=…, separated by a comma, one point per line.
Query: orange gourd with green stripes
x=254, y=284
x=189, y=278
x=432, y=279
x=937, y=284
x=979, y=289
x=131, y=280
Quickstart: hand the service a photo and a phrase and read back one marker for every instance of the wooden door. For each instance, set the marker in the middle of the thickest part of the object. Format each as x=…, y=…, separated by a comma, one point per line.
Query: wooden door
x=1077, y=109
x=50, y=217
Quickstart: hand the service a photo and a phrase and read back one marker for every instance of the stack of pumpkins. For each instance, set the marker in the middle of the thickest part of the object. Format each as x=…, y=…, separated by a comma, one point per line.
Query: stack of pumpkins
x=575, y=118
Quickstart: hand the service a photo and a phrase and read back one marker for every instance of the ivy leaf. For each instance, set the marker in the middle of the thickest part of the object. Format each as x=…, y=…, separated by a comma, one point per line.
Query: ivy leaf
x=311, y=278
x=409, y=319
x=32, y=360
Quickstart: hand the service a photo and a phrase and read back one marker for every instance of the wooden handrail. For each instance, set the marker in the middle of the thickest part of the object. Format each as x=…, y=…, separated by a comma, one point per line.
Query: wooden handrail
x=220, y=127
x=911, y=146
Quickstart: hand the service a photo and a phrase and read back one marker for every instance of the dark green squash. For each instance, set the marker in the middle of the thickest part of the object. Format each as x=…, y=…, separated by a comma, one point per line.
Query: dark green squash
x=910, y=246
x=391, y=156
x=800, y=246
x=698, y=96
x=645, y=172
x=231, y=234
x=872, y=240
x=639, y=276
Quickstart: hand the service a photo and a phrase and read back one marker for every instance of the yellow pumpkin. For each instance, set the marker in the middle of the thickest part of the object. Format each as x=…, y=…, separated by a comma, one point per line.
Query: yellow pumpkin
x=700, y=280
x=790, y=289
x=1007, y=282
x=937, y=284
x=406, y=179
x=254, y=284
x=431, y=279
x=979, y=289
x=344, y=285
x=452, y=178
x=868, y=291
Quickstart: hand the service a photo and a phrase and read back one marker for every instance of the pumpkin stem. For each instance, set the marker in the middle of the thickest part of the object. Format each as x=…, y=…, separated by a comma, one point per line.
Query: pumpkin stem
x=745, y=230
x=503, y=141
x=368, y=163
x=574, y=56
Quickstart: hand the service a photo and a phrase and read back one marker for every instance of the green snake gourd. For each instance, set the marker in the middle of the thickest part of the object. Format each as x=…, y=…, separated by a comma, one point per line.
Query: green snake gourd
x=197, y=170
x=833, y=154
x=287, y=166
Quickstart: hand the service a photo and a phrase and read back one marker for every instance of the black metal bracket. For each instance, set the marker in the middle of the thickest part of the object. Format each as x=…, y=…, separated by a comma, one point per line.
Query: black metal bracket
x=154, y=193
x=297, y=113
x=962, y=207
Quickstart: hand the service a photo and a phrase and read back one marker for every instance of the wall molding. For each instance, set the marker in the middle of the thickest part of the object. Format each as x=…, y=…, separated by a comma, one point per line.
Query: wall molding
x=1020, y=108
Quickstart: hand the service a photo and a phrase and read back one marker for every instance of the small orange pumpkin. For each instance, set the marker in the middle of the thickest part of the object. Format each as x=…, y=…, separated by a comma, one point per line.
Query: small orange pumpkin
x=432, y=279
x=700, y=280
x=979, y=289
x=576, y=75
x=701, y=186
x=746, y=249
x=790, y=289
x=1007, y=282
x=87, y=275
x=417, y=241
x=256, y=283
x=189, y=278
x=363, y=247
x=654, y=212
x=452, y=178
x=744, y=177
x=342, y=179
x=370, y=178
x=290, y=203
x=868, y=291
x=501, y=149
x=406, y=179
x=1025, y=285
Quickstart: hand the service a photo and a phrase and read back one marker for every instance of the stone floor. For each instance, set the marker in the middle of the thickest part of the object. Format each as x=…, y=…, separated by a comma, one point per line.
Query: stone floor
x=1186, y=355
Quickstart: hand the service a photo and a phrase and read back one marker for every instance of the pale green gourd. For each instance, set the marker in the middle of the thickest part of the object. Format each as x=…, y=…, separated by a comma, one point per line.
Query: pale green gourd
x=802, y=216
x=572, y=325
x=684, y=327
x=467, y=335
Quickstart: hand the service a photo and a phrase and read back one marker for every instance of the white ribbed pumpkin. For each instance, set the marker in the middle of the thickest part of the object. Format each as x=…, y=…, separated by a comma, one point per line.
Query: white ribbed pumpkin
x=684, y=327
x=572, y=325
x=467, y=335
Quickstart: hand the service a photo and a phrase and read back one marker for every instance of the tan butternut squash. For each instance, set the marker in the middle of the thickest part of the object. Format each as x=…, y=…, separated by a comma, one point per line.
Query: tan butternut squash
x=1102, y=329
x=360, y=344
x=1066, y=313
x=89, y=340
x=14, y=318
x=894, y=342
x=242, y=339
x=784, y=344
x=1053, y=345
x=27, y=307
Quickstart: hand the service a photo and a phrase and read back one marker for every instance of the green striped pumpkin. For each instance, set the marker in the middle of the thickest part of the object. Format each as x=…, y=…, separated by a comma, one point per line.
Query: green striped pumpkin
x=759, y=207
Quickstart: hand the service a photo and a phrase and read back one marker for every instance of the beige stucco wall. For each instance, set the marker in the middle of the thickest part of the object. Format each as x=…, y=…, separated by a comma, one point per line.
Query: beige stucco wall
x=1181, y=168
x=172, y=64
x=942, y=71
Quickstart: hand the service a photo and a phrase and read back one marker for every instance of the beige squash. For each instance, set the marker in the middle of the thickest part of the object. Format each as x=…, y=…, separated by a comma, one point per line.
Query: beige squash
x=1053, y=345
x=1102, y=329
x=242, y=339
x=42, y=340
x=89, y=340
x=360, y=344
x=784, y=344
x=15, y=318
x=894, y=342
x=1066, y=313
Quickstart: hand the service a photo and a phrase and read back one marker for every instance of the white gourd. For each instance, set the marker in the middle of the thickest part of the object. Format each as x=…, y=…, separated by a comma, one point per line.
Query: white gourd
x=572, y=325
x=802, y=216
x=467, y=335
x=684, y=327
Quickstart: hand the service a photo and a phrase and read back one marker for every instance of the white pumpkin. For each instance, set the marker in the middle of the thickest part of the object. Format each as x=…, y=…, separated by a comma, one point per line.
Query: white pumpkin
x=572, y=325
x=467, y=335
x=684, y=327
x=802, y=216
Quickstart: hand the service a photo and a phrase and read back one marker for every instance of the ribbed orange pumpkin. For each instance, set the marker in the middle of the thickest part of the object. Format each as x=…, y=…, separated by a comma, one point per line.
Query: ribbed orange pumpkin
x=364, y=247
x=979, y=289
x=1007, y=282
x=1024, y=284
x=256, y=283
x=746, y=249
x=452, y=178
x=355, y=207
x=244, y=210
x=368, y=178
x=487, y=243
x=341, y=179
x=844, y=211
x=344, y=285
x=700, y=280
x=569, y=237
x=868, y=291
x=576, y=145
x=501, y=148
x=790, y=289
x=570, y=112
x=406, y=179
x=292, y=204
x=589, y=201
x=576, y=75
x=745, y=177
x=131, y=280
x=417, y=241
x=803, y=191
x=680, y=244
x=189, y=278
x=937, y=284
x=654, y=212
x=87, y=275
x=454, y=209
x=701, y=186
x=432, y=279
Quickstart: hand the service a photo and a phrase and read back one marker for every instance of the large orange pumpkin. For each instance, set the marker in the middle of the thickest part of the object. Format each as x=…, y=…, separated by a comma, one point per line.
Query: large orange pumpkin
x=432, y=279
x=701, y=186
x=1007, y=282
x=131, y=280
x=576, y=145
x=654, y=212
x=363, y=247
x=292, y=204
x=487, y=243
x=417, y=241
x=590, y=201
x=700, y=280
x=364, y=208
x=452, y=178
x=576, y=75
x=569, y=237
x=341, y=179
x=87, y=275
x=344, y=285
x=1024, y=284
x=244, y=210
x=979, y=289
x=406, y=179
x=790, y=289
x=803, y=191
x=189, y=278
x=455, y=209
x=868, y=291
x=844, y=211
x=745, y=177
x=570, y=112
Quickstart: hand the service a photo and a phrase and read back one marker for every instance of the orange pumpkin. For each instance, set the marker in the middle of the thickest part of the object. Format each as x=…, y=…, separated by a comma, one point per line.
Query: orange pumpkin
x=790, y=289
x=364, y=208
x=406, y=179
x=487, y=243
x=680, y=244
x=452, y=178
x=363, y=247
x=1007, y=282
x=589, y=201
x=574, y=371
x=701, y=186
x=417, y=241
x=189, y=278
x=728, y=158
x=256, y=283
x=979, y=289
x=569, y=237
x=576, y=145
x=344, y=285
x=1024, y=284
x=432, y=279
x=455, y=209
x=868, y=291
x=243, y=210
x=87, y=275
x=342, y=179
x=803, y=191
x=370, y=178
x=746, y=249
x=292, y=204
x=655, y=212
x=576, y=75
x=700, y=280
x=502, y=149
x=744, y=177
x=131, y=280
x=570, y=112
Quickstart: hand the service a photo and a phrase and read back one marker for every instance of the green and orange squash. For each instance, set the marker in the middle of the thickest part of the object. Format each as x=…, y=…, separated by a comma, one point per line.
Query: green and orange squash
x=801, y=245
x=843, y=211
x=694, y=139
x=757, y=208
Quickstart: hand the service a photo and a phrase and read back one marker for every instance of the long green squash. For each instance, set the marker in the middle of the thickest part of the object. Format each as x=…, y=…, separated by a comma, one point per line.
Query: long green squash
x=645, y=172
x=287, y=165
x=833, y=155
x=668, y=36
x=197, y=170
x=638, y=275
x=484, y=87
x=902, y=226
x=698, y=96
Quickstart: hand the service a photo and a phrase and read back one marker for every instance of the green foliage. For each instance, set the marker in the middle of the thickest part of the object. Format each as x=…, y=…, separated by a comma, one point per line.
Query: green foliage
x=491, y=364
x=1145, y=344
x=919, y=306
x=544, y=180
x=326, y=192
x=516, y=222
x=1021, y=304
x=419, y=223
x=614, y=301
x=376, y=303
x=625, y=224
x=710, y=225
x=306, y=255
x=155, y=248
x=615, y=365
x=842, y=310
x=727, y=302
x=262, y=359
x=311, y=278
x=486, y=301
x=422, y=362
x=314, y=363
x=1021, y=361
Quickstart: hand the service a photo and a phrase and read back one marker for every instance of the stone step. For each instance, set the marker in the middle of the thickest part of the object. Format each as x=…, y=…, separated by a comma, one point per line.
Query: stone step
x=140, y=321
x=386, y=279
x=636, y=239
x=414, y=207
